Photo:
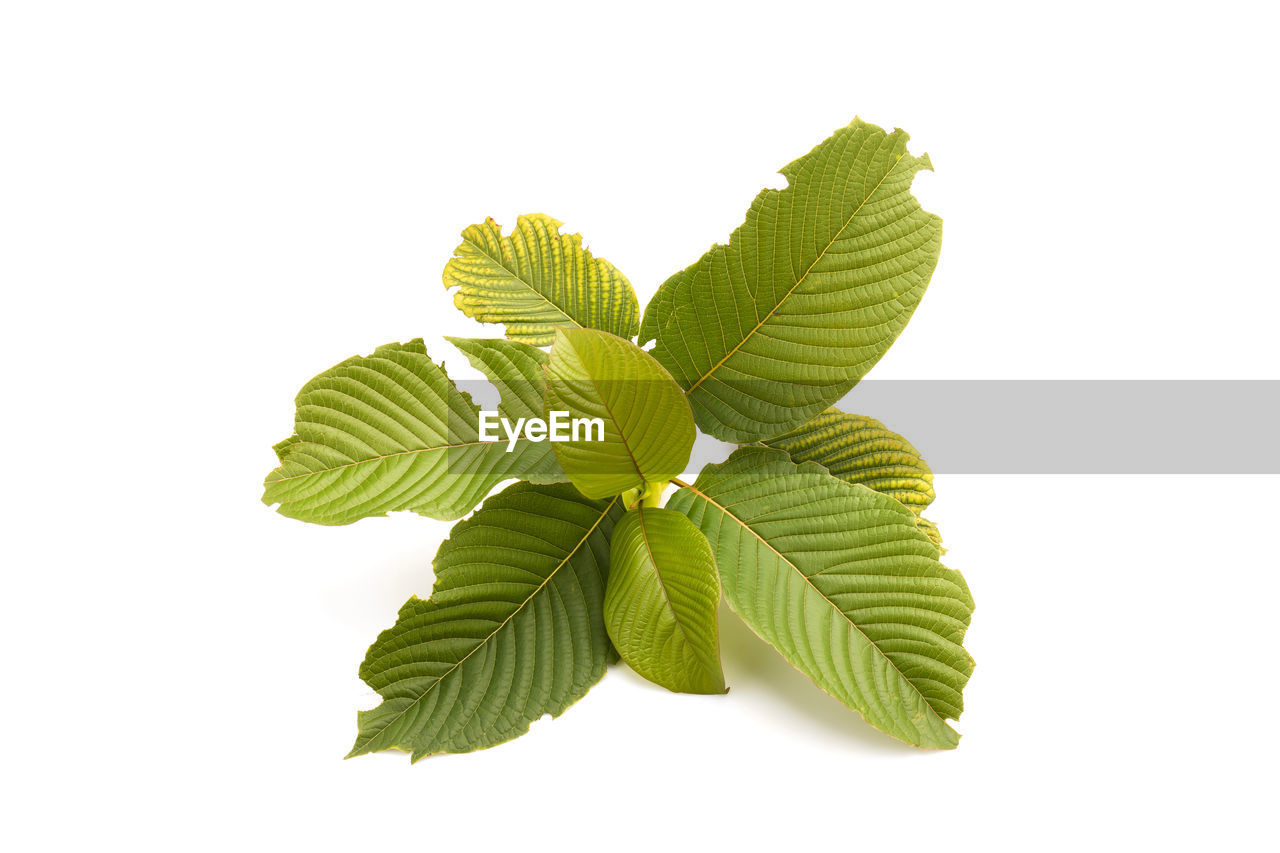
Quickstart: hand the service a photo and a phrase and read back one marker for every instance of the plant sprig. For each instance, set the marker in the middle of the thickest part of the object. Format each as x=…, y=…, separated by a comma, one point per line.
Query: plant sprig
x=812, y=529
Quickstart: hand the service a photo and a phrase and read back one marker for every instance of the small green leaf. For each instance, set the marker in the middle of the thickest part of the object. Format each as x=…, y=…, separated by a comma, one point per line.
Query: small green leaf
x=839, y=579
x=536, y=280
x=859, y=449
x=513, y=629
x=517, y=371
x=648, y=428
x=767, y=331
x=661, y=602
x=390, y=431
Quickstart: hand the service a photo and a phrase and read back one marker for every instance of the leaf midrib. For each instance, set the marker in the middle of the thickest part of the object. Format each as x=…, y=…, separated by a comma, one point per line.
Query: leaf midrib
x=662, y=584
x=380, y=458
x=516, y=277
x=439, y=679
x=608, y=410
x=801, y=279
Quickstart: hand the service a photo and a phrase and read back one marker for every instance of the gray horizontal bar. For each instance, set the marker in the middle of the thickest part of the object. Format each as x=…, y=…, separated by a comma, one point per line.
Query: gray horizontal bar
x=1082, y=426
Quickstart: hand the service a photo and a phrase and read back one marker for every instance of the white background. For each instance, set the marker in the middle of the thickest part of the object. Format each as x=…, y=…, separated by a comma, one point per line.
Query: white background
x=202, y=205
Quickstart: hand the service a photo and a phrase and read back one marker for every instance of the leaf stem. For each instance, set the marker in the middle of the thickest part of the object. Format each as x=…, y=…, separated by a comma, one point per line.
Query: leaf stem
x=652, y=494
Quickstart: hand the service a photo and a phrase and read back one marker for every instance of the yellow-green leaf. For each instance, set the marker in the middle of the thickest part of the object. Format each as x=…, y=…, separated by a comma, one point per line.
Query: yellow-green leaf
x=518, y=372
x=859, y=449
x=536, y=280
x=662, y=599
x=647, y=427
x=390, y=431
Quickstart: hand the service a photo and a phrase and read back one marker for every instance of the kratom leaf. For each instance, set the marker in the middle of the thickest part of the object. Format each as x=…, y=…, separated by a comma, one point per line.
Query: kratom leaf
x=767, y=331
x=516, y=370
x=513, y=629
x=390, y=431
x=661, y=602
x=536, y=280
x=648, y=428
x=839, y=579
x=859, y=449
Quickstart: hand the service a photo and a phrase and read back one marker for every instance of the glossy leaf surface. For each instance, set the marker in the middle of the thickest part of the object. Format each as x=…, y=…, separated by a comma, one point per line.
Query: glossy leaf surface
x=661, y=602
x=647, y=426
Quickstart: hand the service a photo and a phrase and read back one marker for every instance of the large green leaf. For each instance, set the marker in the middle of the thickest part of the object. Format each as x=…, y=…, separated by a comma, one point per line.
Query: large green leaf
x=661, y=602
x=767, y=331
x=513, y=629
x=536, y=280
x=648, y=428
x=840, y=580
x=859, y=449
x=390, y=431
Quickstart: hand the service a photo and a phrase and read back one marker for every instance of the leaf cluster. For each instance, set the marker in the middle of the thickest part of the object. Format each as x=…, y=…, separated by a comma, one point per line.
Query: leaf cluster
x=811, y=530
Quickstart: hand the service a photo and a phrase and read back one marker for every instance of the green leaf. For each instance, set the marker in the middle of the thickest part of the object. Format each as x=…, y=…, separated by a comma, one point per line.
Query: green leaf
x=661, y=602
x=767, y=331
x=537, y=280
x=517, y=371
x=390, y=431
x=648, y=428
x=839, y=579
x=859, y=449
x=513, y=629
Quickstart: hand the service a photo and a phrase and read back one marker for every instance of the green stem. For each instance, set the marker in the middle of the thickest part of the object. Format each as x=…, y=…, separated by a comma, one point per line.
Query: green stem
x=652, y=494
